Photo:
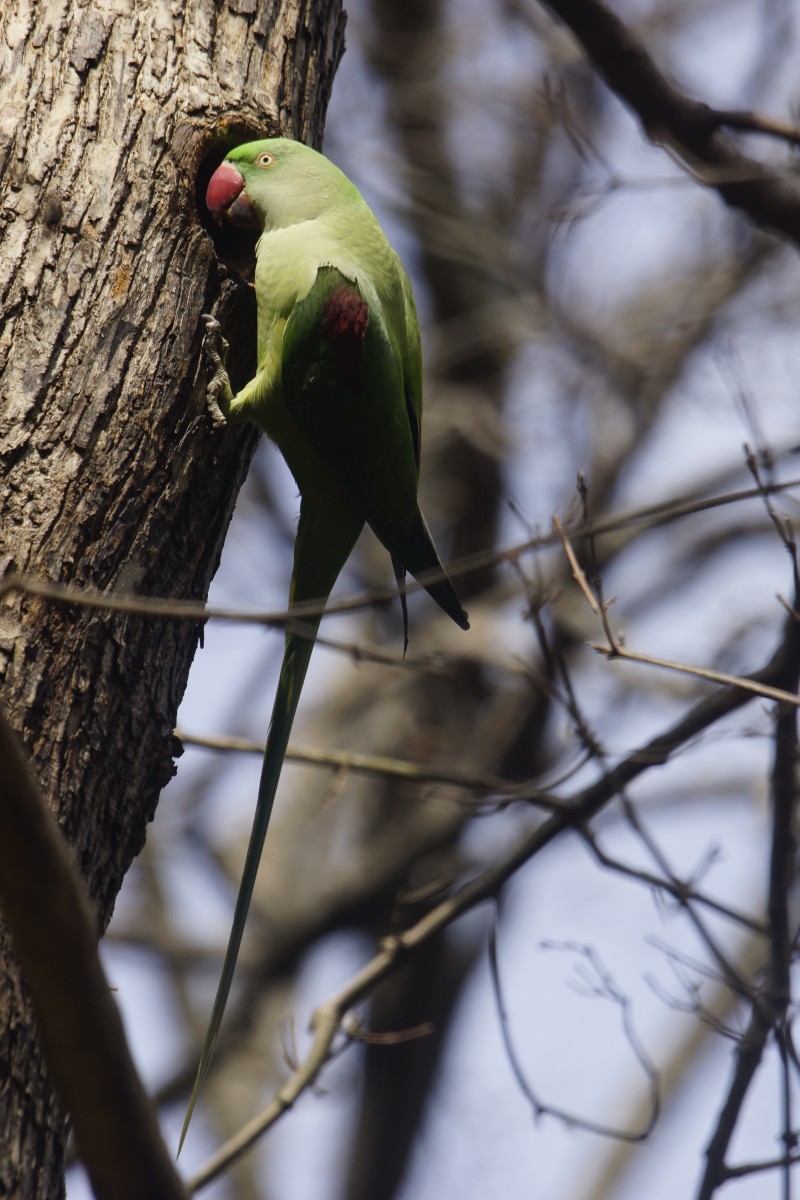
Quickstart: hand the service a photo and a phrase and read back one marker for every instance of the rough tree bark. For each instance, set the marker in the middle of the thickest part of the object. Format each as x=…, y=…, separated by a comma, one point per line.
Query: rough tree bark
x=112, y=476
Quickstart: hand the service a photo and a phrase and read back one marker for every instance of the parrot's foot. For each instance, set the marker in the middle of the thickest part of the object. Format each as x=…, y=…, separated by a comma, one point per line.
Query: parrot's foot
x=218, y=391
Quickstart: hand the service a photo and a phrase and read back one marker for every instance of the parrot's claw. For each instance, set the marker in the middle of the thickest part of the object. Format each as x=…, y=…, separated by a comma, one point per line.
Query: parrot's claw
x=218, y=391
x=214, y=344
x=218, y=418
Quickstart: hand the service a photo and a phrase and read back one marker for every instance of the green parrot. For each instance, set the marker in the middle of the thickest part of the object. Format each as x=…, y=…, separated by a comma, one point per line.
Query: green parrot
x=338, y=388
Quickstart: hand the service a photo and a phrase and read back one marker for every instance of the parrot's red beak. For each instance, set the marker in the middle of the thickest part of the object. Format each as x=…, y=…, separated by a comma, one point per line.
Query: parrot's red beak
x=225, y=197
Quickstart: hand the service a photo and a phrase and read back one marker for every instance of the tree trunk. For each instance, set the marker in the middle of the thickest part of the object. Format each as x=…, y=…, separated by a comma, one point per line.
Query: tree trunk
x=112, y=475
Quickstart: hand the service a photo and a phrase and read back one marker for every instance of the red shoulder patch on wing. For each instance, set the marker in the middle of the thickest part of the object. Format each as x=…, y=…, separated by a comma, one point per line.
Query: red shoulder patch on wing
x=345, y=323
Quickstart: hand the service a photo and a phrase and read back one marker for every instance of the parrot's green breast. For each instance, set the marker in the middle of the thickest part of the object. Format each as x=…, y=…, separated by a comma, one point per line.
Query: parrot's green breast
x=288, y=260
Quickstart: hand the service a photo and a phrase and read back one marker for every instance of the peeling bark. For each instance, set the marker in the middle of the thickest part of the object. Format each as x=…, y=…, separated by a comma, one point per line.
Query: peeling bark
x=111, y=475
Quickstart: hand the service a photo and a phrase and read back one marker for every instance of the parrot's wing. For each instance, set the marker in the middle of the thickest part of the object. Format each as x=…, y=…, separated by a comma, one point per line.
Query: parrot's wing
x=367, y=426
x=412, y=360
x=365, y=433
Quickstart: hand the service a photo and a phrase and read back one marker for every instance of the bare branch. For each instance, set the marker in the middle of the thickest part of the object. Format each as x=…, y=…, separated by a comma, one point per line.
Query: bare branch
x=689, y=127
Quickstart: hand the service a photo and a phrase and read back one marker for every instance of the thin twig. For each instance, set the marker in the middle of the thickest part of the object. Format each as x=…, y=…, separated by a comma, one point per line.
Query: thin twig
x=676, y=888
x=599, y=606
x=747, y=683
x=646, y=517
x=603, y=985
x=753, y=122
x=769, y=1164
x=372, y=764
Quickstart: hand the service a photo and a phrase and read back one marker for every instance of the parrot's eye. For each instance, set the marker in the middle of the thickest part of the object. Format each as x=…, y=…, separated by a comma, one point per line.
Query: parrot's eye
x=265, y=160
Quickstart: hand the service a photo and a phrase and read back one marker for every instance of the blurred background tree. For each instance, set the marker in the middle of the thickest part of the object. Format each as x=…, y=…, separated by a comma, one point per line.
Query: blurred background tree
x=591, y=312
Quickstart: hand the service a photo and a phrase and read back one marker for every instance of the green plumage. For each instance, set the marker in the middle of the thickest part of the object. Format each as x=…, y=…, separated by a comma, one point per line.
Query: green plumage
x=339, y=390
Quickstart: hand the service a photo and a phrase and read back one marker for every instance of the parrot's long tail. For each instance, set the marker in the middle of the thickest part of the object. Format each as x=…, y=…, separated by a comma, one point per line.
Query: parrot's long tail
x=418, y=555
x=325, y=538
x=296, y=658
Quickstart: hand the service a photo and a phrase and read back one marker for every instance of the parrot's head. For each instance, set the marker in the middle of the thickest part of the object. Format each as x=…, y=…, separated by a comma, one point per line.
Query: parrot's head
x=274, y=183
